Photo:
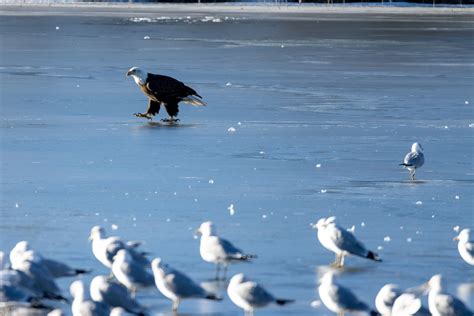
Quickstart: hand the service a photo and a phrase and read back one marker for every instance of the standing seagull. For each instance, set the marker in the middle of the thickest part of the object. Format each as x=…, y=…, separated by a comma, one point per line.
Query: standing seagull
x=414, y=159
x=250, y=295
x=339, y=299
x=105, y=248
x=217, y=250
x=176, y=286
x=58, y=269
x=341, y=241
x=130, y=273
x=114, y=295
x=81, y=306
x=466, y=246
x=163, y=90
x=441, y=303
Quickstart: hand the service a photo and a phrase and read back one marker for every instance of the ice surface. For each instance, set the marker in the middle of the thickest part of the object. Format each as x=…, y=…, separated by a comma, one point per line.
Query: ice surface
x=350, y=92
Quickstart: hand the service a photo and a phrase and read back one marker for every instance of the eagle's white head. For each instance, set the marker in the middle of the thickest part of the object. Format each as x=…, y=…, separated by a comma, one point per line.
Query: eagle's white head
x=138, y=75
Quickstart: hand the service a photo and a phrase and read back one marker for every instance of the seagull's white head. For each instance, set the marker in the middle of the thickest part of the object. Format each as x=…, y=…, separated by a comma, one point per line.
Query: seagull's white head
x=17, y=254
x=417, y=147
x=117, y=311
x=97, y=232
x=21, y=247
x=98, y=284
x=138, y=75
x=207, y=229
x=122, y=256
x=324, y=222
x=77, y=289
x=158, y=267
x=436, y=283
x=464, y=236
x=237, y=279
x=328, y=278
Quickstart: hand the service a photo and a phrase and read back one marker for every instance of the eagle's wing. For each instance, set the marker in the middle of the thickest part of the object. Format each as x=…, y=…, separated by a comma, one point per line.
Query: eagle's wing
x=164, y=87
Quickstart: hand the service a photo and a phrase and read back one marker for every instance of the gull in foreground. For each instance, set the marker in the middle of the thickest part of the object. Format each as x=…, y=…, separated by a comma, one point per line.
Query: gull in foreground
x=250, y=295
x=414, y=159
x=441, y=303
x=83, y=307
x=40, y=279
x=114, y=295
x=177, y=286
x=130, y=273
x=339, y=299
x=56, y=268
x=105, y=248
x=466, y=246
x=386, y=297
x=217, y=250
x=341, y=241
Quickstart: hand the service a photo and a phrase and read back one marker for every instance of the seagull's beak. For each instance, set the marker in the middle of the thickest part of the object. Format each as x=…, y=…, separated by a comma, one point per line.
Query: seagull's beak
x=314, y=226
x=90, y=238
x=456, y=238
x=197, y=233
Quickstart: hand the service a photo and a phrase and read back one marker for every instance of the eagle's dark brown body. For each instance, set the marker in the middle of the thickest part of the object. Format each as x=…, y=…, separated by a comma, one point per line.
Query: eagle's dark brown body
x=167, y=91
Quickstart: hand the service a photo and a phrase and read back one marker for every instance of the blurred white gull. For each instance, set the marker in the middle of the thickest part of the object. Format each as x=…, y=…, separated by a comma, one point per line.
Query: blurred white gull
x=408, y=304
x=129, y=273
x=81, y=306
x=39, y=278
x=339, y=299
x=217, y=250
x=177, y=286
x=56, y=268
x=466, y=246
x=414, y=159
x=114, y=295
x=441, y=303
x=105, y=248
x=386, y=297
x=341, y=241
x=250, y=295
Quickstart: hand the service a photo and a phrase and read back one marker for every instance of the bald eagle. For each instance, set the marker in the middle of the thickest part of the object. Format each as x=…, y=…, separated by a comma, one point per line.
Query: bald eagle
x=163, y=91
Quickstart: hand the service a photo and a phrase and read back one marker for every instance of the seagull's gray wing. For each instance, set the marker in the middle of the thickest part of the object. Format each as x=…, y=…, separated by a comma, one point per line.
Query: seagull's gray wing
x=222, y=248
x=346, y=299
x=41, y=277
x=254, y=294
x=138, y=274
x=470, y=248
x=58, y=269
x=183, y=286
x=346, y=241
x=414, y=159
x=448, y=305
x=117, y=295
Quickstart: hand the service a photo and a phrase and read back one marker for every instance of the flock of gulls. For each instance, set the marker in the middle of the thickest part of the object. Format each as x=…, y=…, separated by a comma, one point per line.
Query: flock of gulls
x=28, y=279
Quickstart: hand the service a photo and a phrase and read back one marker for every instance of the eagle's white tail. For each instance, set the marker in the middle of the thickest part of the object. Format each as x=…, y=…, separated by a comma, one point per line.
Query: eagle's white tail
x=194, y=101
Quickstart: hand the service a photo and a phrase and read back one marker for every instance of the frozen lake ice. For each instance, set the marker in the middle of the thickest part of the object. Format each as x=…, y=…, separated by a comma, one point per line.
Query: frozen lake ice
x=308, y=116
